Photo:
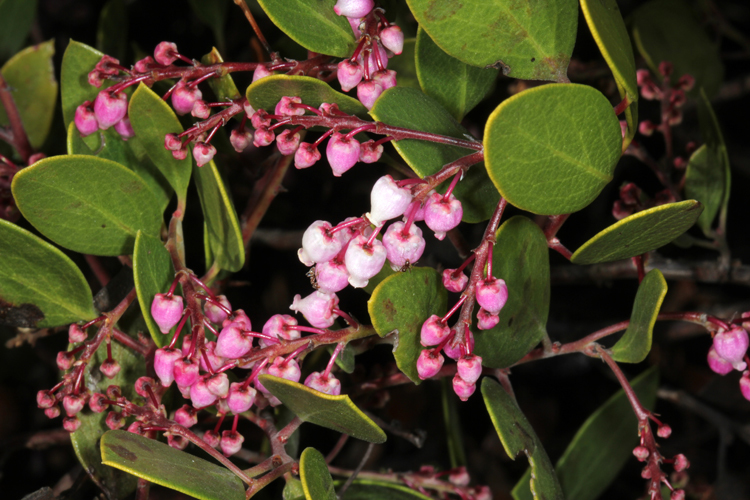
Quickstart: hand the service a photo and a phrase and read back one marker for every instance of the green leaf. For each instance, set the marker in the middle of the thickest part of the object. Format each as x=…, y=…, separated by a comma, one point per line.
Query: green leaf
x=517, y=435
x=87, y=204
x=639, y=233
x=602, y=445
x=16, y=18
x=224, y=234
x=128, y=153
x=31, y=77
x=714, y=139
x=402, y=302
x=161, y=464
x=704, y=181
x=39, y=285
x=223, y=87
x=635, y=345
x=332, y=412
x=153, y=273
x=367, y=489
x=608, y=29
x=552, y=149
x=317, y=482
x=322, y=30
x=631, y=119
x=267, y=92
x=79, y=59
x=152, y=119
x=112, y=32
x=528, y=40
x=410, y=108
x=404, y=65
x=667, y=30
x=521, y=258
x=345, y=359
x=93, y=426
x=457, y=86
x=293, y=489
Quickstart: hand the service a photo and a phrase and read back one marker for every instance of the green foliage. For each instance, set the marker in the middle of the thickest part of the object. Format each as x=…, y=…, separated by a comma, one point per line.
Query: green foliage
x=520, y=258
x=112, y=32
x=405, y=65
x=267, y=92
x=153, y=273
x=39, y=285
x=526, y=40
x=77, y=61
x=517, y=435
x=410, y=108
x=457, y=86
x=602, y=445
x=87, y=204
x=333, y=412
x=164, y=465
x=639, y=233
x=552, y=149
x=366, y=489
x=31, y=77
x=16, y=18
x=635, y=345
x=223, y=87
x=704, y=181
x=323, y=31
x=401, y=303
x=316, y=480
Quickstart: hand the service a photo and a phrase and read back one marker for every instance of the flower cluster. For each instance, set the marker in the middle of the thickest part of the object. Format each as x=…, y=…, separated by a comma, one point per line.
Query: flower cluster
x=673, y=95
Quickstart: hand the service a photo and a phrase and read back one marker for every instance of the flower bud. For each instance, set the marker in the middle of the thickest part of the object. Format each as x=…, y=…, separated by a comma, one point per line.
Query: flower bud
x=319, y=244
x=666, y=68
x=368, y=92
x=231, y=442
x=664, y=431
x=240, y=398
x=393, y=39
x=288, y=142
x=353, y=8
x=143, y=385
x=388, y=200
x=403, y=246
x=677, y=495
x=172, y=142
x=73, y=403
x=453, y=349
x=211, y=438
x=641, y=453
x=285, y=368
x=185, y=372
x=385, y=78
x=200, y=395
x=71, y=424
x=201, y=109
x=364, y=260
x=732, y=346
x=717, y=363
x=110, y=108
x=349, y=74
x=184, y=97
x=441, y=214
x=492, y=294
x=260, y=119
x=240, y=139
x=166, y=311
x=454, y=282
x=263, y=137
x=433, y=331
x=164, y=361
x=745, y=385
x=306, y=156
x=214, y=313
x=331, y=276
x=45, y=399
x=486, y=320
x=124, y=128
x=285, y=106
x=322, y=383
x=65, y=360
x=240, y=318
x=681, y=462
x=85, y=119
x=186, y=416
x=463, y=388
x=686, y=82
x=97, y=402
x=261, y=72
x=342, y=153
x=369, y=152
x=470, y=368
x=232, y=343
x=218, y=384
x=144, y=65
x=52, y=412
x=176, y=441
x=429, y=363
x=165, y=53
x=110, y=368
x=213, y=358
x=459, y=476
x=136, y=428
x=114, y=420
x=203, y=153
x=317, y=308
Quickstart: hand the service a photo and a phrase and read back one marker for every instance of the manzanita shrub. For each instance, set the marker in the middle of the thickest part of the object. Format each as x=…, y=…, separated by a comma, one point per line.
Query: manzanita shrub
x=168, y=380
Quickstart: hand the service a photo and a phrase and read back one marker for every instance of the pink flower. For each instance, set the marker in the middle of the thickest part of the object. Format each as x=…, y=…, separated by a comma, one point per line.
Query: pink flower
x=166, y=311
x=364, y=260
x=317, y=308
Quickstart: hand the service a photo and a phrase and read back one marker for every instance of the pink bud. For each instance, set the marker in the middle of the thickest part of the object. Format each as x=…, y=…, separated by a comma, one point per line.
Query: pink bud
x=318, y=244
x=166, y=311
x=263, y=137
x=331, y=276
x=454, y=282
x=232, y=343
x=675, y=116
x=355, y=24
x=218, y=384
x=65, y=360
x=185, y=372
x=124, y=128
x=441, y=214
x=165, y=53
x=453, y=348
x=353, y=8
x=211, y=438
x=459, y=476
x=492, y=294
x=429, y=363
x=285, y=107
x=136, y=428
x=110, y=109
x=260, y=72
x=231, y=442
x=97, y=402
x=388, y=200
x=322, y=383
x=641, y=453
x=385, y=78
x=666, y=68
x=403, y=246
x=677, y=98
x=677, y=495
x=393, y=39
x=184, y=97
x=76, y=334
x=53, y=412
x=317, y=308
x=647, y=127
x=85, y=119
x=114, y=420
x=306, y=155
x=143, y=385
x=745, y=385
x=462, y=388
x=285, y=368
x=349, y=74
x=73, y=403
x=364, y=260
x=240, y=398
x=686, y=82
x=342, y=153
x=164, y=361
x=470, y=368
x=172, y=142
x=239, y=317
x=186, y=416
x=249, y=109
x=215, y=360
x=681, y=462
x=486, y=320
x=203, y=153
x=620, y=210
x=144, y=65
x=214, y=313
x=260, y=119
x=664, y=431
x=200, y=395
x=433, y=331
x=71, y=424
x=201, y=109
x=45, y=399
x=732, y=346
x=176, y=441
x=287, y=142
x=240, y=139
x=276, y=327
x=369, y=152
x=643, y=77
x=368, y=92
x=482, y=493
x=110, y=368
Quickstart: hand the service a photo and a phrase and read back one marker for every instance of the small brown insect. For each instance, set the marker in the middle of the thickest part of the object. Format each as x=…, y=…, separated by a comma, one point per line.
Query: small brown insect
x=313, y=278
x=405, y=267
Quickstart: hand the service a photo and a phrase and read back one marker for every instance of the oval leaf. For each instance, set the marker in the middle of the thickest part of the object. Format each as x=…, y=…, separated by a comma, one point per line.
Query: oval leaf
x=152, y=119
x=552, y=149
x=164, y=465
x=87, y=204
x=602, y=445
x=79, y=59
x=31, y=76
x=667, y=30
x=704, y=181
x=153, y=272
x=714, y=139
x=410, y=108
x=521, y=258
x=518, y=436
x=222, y=226
x=639, y=233
x=457, y=86
x=93, y=426
x=332, y=412
x=267, y=92
x=401, y=303
x=39, y=285
x=16, y=18
x=322, y=30
x=529, y=40
x=635, y=345
x=317, y=482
